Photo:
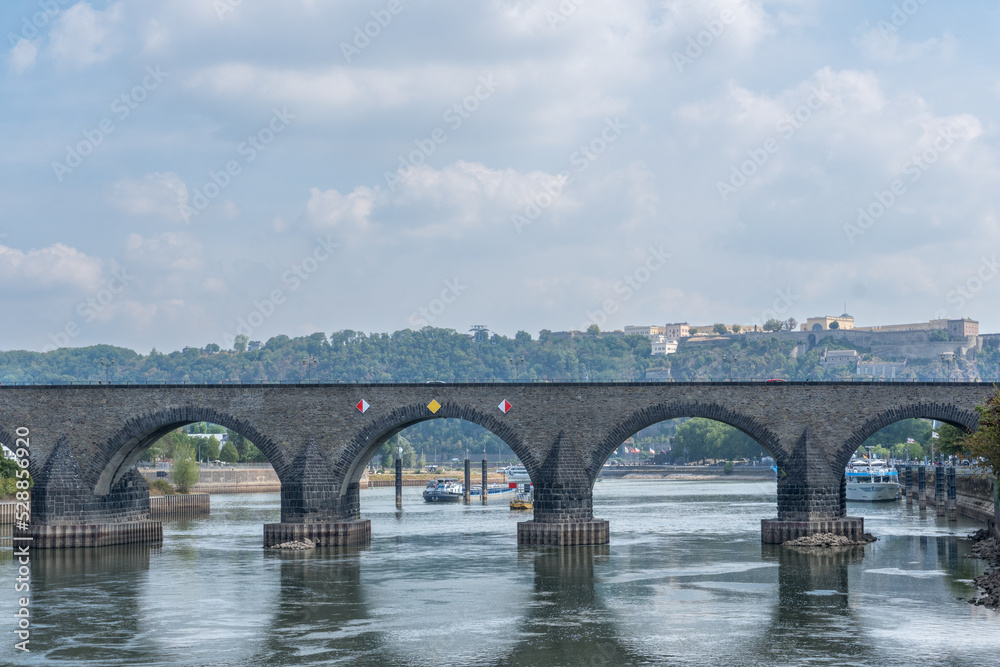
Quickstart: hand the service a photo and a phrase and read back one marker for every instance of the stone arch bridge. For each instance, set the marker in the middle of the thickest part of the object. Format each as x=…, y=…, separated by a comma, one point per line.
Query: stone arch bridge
x=86, y=439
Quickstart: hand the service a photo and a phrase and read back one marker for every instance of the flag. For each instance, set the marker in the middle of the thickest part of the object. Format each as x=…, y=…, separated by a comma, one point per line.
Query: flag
x=652, y=451
x=910, y=440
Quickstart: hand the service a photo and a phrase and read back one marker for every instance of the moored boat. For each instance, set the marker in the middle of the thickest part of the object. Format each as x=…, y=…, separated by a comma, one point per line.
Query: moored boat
x=871, y=480
x=520, y=483
x=444, y=490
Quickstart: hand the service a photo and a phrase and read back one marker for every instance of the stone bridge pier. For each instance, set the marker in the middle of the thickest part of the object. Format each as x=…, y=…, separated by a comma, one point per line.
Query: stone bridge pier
x=85, y=441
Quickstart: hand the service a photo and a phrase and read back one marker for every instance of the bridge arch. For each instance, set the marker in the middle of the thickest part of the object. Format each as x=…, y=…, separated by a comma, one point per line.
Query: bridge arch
x=127, y=445
x=646, y=417
x=966, y=420
x=373, y=435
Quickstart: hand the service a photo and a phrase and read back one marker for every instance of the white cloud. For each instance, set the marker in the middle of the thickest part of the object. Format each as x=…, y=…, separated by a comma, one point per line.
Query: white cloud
x=888, y=46
x=57, y=265
x=428, y=202
x=82, y=36
x=22, y=57
x=176, y=252
x=159, y=194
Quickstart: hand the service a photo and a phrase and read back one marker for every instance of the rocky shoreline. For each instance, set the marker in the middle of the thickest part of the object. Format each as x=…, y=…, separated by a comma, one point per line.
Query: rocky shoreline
x=987, y=548
x=829, y=540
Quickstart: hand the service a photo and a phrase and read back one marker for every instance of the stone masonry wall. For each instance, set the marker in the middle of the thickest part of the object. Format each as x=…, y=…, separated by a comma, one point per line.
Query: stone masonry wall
x=85, y=439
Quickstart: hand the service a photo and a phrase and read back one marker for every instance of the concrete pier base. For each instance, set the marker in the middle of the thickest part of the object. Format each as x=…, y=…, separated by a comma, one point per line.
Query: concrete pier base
x=596, y=531
x=339, y=534
x=775, y=531
x=91, y=535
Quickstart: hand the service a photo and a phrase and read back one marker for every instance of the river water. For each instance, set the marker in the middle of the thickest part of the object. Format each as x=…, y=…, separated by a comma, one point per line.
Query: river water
x=685, y=580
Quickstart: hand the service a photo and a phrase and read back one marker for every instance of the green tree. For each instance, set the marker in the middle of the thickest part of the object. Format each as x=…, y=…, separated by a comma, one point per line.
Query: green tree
x=252, y=454
x=736, y=328
x=834, y=325
x=985, y=442
x=240, y=343
x=229, y=453
x=184, y=470
x=720, y=329
x=773, y=325
x=593, y=330
x=951, y=440
x=790, y=324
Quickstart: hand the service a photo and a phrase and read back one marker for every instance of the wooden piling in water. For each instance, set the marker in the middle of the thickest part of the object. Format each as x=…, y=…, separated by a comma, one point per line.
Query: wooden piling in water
x=399, y=483
x=485, y=475
x=468, y=481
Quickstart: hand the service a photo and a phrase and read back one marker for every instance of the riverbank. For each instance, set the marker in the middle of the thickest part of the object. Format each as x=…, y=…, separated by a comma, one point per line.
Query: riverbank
x=689, y=473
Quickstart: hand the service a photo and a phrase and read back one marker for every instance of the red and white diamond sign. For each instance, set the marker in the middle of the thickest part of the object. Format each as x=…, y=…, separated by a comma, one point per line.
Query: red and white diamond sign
x=505, y=406
x=362, y=405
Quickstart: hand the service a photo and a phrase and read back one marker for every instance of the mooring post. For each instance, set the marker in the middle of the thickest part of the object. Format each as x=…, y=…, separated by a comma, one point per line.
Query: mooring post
x=908, y=485
x=952, y=495
x=468, y=480
x=939, y=504
x=399, y=483
x=922, y=486
x=485, y=474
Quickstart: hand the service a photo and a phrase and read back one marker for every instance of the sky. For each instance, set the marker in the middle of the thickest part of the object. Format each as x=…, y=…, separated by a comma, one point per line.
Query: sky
x=178, y=173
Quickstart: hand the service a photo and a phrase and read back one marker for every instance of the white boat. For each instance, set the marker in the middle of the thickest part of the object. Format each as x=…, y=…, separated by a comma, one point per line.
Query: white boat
x=871, y=480
x=444, y=490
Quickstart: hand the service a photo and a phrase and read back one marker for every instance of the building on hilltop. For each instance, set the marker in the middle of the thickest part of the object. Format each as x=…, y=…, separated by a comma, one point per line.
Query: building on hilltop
x=663, y=345
x=881, y=369
x=677, y=330
x=962, y=328
x=651, y=331
x=833, y=358
x=844, y=322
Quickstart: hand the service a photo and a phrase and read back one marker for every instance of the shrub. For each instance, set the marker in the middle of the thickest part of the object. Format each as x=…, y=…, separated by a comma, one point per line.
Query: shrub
x=160, y=487
x=728, y=468
x=184, y=471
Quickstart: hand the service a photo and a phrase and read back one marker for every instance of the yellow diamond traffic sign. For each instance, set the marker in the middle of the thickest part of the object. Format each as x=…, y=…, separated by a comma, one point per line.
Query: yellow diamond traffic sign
x=433, y=406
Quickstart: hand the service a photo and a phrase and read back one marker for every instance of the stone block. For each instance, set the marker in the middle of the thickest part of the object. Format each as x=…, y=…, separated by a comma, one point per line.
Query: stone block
x=595, y=531
x=776, y=531
x=337, y=534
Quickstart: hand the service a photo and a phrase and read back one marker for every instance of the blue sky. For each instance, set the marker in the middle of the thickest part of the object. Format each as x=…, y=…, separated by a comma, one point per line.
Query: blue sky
x=174, y=173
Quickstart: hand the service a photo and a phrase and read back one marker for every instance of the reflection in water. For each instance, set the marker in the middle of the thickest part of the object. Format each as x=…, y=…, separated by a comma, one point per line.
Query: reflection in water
x=684, y=581
x=320, y=614
x=107, y=582
x=814, y=604
x=566, y=623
